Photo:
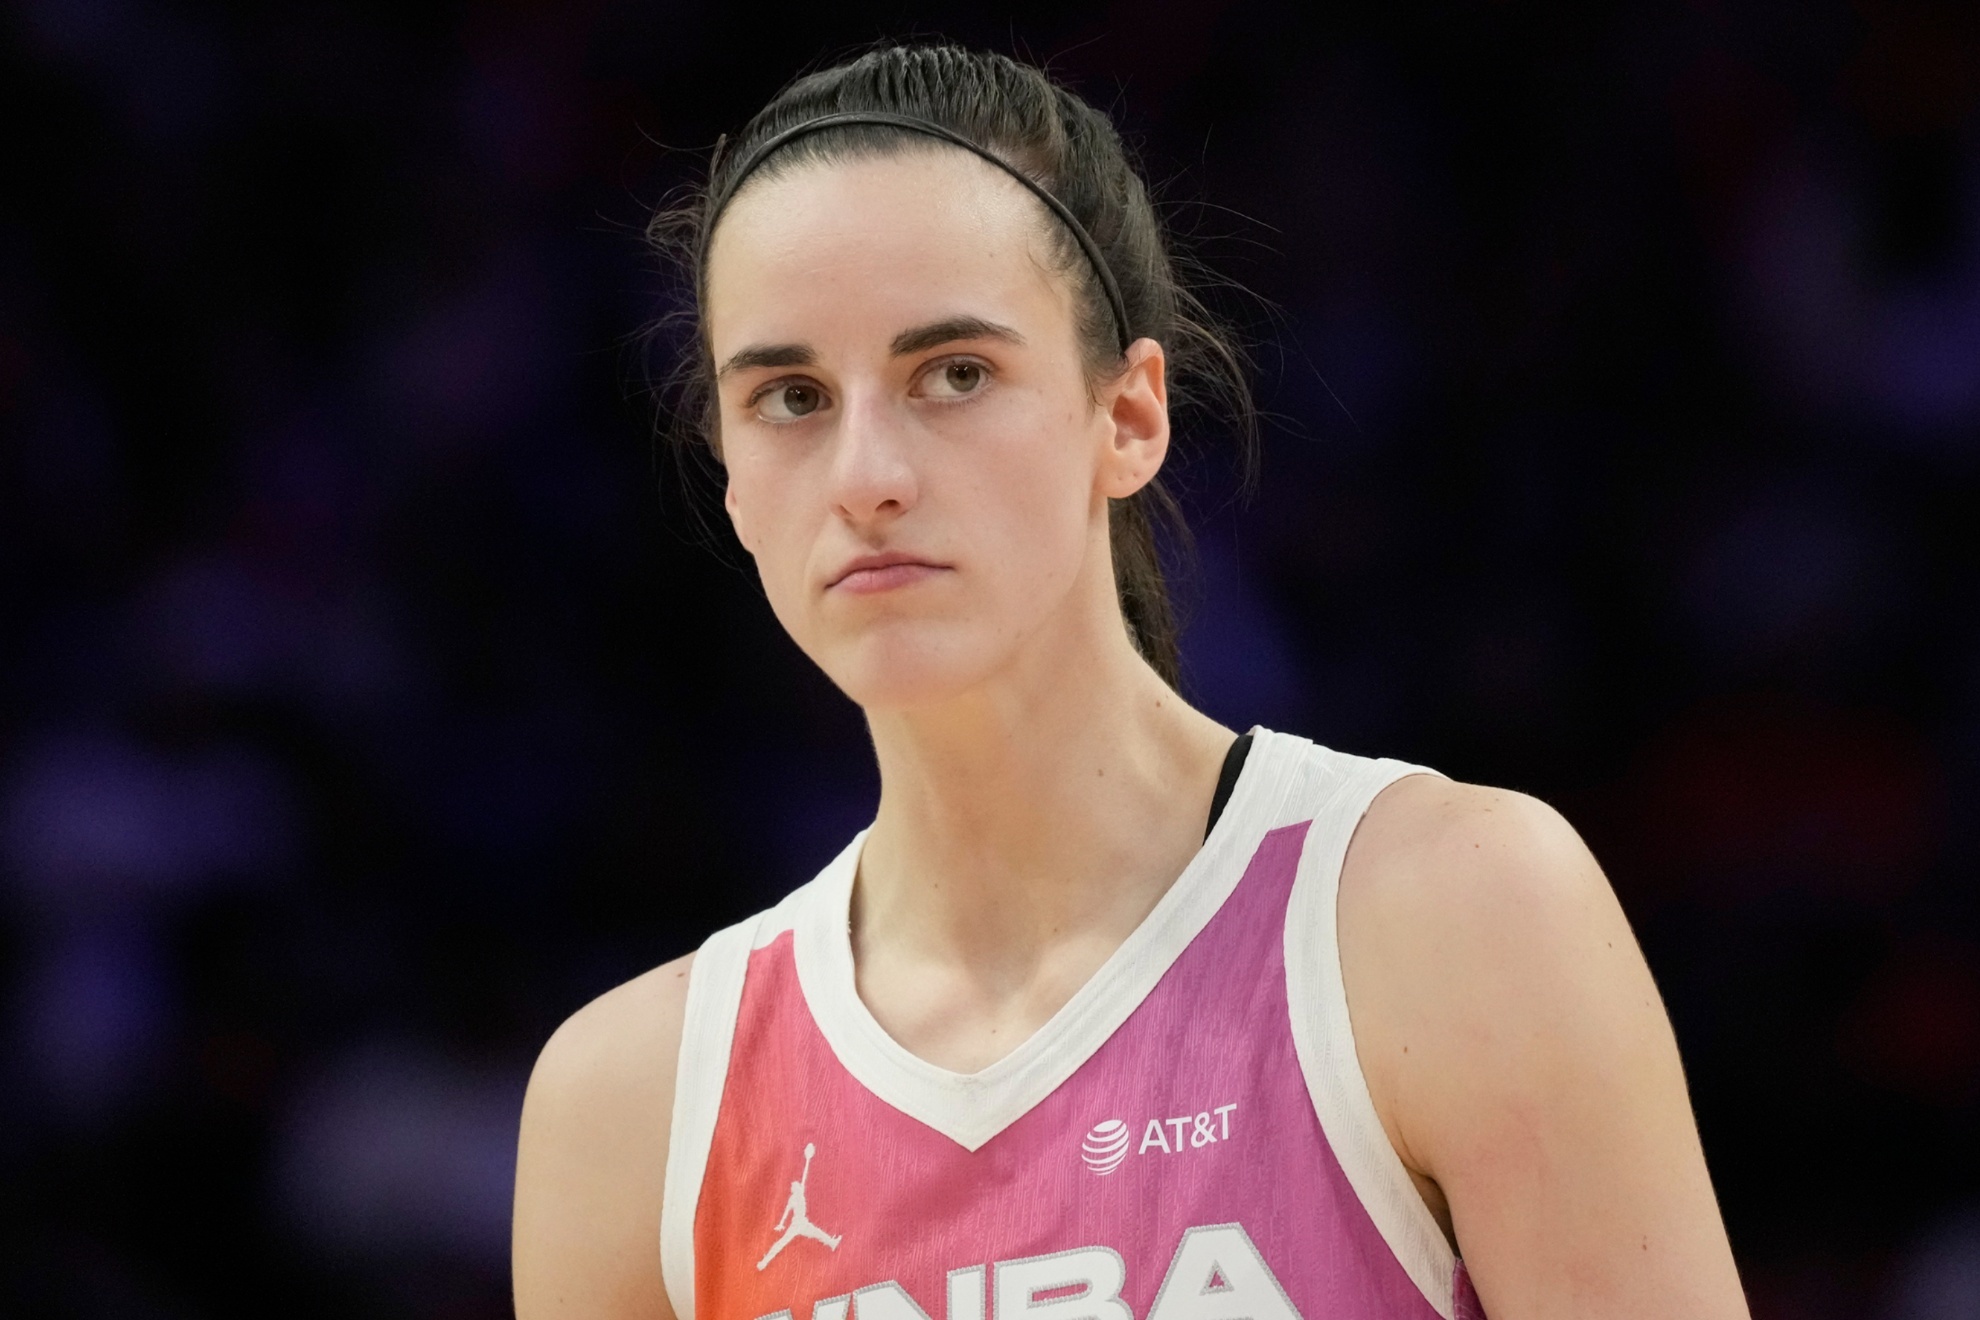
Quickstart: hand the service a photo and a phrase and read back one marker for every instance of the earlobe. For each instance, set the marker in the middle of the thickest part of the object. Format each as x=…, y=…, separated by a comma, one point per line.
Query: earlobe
x=1138, y=405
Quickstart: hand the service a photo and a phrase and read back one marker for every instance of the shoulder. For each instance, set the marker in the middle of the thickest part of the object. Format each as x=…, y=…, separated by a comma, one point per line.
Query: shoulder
x=1482, y=950
x=593, y=1152
x=1477, y=932
x=619, y=1046
x=1474, y=923
x=1520, y=1060
x=1431, y=848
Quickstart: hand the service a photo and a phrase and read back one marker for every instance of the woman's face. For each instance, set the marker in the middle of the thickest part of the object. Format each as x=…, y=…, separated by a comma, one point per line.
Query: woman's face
x=915, y=456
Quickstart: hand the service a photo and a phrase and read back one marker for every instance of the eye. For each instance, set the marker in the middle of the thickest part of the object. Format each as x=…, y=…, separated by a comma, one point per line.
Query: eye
x=787, y=401
x=954, y=379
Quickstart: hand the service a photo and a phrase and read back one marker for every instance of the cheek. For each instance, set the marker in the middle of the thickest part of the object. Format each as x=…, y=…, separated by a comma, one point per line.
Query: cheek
x=760, y=506
x=1038, y=502
x=733, y=506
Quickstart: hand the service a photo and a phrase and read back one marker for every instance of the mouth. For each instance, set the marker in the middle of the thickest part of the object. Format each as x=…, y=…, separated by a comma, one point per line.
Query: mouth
x=872, y=574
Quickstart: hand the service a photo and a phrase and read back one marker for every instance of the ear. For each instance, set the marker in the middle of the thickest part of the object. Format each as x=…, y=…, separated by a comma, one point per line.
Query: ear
x=1137, y=403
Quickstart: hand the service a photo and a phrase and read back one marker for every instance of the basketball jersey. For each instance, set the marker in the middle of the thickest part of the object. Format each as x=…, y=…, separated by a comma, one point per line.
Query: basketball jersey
x=1189, y=1138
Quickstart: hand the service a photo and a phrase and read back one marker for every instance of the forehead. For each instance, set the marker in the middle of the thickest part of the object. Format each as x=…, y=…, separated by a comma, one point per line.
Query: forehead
x=889, y=240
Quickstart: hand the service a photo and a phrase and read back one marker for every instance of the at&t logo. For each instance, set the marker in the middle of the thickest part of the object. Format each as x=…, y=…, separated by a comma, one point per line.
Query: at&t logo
x=1111, y=1142
x=1105, y=1146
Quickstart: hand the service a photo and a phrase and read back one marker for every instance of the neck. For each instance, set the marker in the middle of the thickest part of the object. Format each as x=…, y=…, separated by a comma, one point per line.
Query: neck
x=1056, y=804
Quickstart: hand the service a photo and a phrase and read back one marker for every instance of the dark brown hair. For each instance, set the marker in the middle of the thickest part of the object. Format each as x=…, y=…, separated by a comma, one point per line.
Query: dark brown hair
x=1035, y=125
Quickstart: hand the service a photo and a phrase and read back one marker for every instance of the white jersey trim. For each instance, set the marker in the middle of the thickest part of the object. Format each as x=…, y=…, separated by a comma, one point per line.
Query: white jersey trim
x=971, y=1108
x=781, y=918
x=708, y=1031
x=1323, y=1034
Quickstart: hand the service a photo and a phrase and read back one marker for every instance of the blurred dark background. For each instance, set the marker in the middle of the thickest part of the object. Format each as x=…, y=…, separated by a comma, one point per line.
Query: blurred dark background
x=366, y=705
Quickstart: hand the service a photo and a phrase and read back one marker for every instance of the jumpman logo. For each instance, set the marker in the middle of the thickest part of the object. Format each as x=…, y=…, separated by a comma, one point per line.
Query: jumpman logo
x=796, y=1223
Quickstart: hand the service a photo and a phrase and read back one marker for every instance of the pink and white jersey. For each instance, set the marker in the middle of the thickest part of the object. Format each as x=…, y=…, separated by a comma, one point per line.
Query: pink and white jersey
x=1189, y=1138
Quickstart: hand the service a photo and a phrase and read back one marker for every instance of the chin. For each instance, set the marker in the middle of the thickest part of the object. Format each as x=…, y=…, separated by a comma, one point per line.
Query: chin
x=901, y=668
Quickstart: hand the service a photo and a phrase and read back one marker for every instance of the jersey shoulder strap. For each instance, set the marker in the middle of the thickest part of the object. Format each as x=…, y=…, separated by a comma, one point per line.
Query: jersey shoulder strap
x=1335, y=792
x=708, y=1031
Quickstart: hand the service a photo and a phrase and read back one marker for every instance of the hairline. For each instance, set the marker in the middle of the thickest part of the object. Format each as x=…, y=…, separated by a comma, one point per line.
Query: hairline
x=823, y=150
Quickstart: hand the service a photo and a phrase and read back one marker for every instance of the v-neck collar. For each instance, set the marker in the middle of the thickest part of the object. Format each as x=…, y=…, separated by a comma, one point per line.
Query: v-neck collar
x=971, y=1108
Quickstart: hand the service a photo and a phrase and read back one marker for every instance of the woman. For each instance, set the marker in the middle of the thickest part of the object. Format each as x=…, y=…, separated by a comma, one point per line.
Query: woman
x=1037, y=1044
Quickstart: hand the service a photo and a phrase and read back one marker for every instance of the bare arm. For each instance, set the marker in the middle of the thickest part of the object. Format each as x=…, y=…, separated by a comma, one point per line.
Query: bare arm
x=593, y=1157
x=1522, y=1063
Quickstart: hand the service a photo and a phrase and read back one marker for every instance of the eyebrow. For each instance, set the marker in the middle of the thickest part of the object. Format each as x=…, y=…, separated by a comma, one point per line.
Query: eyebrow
x=768, y=355
x=947, y=331
x=919, y=339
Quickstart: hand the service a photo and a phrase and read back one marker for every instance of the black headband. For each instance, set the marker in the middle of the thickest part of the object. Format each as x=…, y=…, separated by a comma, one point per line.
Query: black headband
x=845, y=118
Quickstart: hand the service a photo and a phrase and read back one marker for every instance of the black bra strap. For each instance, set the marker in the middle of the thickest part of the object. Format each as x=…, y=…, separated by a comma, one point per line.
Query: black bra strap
x=1227, y=779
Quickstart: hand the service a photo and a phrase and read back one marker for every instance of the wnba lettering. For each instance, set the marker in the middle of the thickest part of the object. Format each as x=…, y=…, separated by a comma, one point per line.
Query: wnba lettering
x=1216, y=1273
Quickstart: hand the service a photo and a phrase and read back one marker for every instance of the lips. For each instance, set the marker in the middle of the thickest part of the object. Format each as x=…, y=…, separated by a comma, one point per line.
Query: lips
x=870, y=574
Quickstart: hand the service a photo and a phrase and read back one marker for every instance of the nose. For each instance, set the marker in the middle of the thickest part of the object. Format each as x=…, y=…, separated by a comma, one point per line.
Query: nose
x=873, y=475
